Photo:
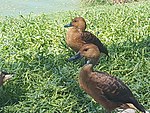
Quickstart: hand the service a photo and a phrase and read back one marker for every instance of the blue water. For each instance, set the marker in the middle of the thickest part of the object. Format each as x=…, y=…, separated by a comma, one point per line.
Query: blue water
x=17, y=7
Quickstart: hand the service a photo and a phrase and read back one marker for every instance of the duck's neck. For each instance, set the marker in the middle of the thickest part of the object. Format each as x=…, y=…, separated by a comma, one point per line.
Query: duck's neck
x=82, y=27
x=86, y=70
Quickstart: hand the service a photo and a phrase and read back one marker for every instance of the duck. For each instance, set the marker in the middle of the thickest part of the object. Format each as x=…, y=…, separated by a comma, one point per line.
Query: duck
x=104, y=88
x=76, y=36
x=4, y=76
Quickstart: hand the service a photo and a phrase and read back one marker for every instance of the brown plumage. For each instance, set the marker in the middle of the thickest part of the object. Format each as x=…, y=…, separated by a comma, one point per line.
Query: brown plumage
x=106, y=89
x=76, y=36
x=4, y=76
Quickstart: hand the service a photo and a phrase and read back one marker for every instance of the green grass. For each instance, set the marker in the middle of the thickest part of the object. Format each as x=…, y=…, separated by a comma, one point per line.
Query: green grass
x=96, y=2
x=33, y=47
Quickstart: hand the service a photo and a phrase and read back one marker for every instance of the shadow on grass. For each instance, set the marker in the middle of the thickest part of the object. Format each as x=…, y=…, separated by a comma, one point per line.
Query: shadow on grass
x=127, y=50
x=57, y=79
x=16, y=89
x=12, y=92
x=132, y=47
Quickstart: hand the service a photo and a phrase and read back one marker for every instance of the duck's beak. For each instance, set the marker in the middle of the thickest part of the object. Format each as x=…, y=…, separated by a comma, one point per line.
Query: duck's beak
x=68, y=25
x=7, y=77
x=76, y=57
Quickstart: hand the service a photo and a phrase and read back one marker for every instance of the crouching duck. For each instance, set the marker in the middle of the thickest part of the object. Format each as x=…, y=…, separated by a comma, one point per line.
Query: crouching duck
x=106, y=89
x=4, y=76
x=76, y=36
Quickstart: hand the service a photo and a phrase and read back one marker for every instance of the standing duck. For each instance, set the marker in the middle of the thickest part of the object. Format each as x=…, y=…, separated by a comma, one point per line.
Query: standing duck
x=4, y=76
x=76, y=36
x=106, y=89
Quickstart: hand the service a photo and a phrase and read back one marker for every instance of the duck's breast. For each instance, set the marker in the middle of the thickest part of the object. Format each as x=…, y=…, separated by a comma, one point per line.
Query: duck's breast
x=74, y=39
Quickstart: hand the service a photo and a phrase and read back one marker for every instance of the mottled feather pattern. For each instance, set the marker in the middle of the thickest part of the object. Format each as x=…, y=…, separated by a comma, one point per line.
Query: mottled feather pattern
x=113, y=88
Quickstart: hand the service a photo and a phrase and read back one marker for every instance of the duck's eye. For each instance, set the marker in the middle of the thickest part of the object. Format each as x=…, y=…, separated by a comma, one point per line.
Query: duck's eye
x=74, y=21
x=85, y=49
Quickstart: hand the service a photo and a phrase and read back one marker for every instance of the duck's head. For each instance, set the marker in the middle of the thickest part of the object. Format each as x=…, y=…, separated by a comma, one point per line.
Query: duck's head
x=90, y=52
x=4, y=76
x=77, y=22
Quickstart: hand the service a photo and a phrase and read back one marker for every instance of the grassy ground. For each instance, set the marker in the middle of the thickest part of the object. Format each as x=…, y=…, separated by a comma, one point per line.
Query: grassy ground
x=33, y=47
x=95, y=2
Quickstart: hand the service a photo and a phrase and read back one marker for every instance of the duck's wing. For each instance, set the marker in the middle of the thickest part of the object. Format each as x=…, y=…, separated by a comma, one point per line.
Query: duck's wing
x=91, y=38
x=115, y=90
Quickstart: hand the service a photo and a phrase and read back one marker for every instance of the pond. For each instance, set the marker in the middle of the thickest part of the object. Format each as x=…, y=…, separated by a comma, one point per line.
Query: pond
x=17, y=7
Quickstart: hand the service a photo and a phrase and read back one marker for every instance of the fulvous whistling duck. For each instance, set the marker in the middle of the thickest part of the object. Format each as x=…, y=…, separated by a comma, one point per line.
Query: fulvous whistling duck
x=4, y=76
x=106, y=89
x=76, y=36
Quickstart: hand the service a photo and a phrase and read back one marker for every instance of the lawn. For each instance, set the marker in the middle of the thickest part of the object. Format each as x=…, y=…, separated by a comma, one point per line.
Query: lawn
x=33, y=48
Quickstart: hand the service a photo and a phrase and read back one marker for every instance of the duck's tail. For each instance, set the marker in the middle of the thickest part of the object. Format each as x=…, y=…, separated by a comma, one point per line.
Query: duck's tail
x=138, y=105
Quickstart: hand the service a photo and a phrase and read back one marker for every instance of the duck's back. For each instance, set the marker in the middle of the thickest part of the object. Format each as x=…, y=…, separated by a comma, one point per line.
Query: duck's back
x=88, y=37
x=109, y=91
x=113, y=88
